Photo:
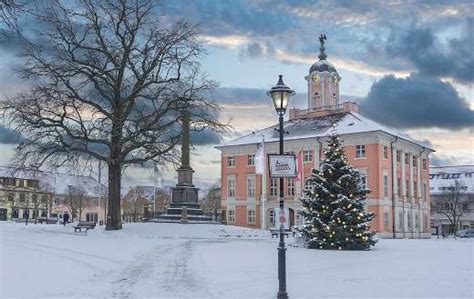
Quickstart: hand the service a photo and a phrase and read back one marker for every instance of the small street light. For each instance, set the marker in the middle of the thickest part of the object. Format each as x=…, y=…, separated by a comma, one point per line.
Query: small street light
x=280, y=94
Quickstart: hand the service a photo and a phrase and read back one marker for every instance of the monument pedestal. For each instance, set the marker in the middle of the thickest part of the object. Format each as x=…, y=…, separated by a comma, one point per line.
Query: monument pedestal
x=184, y=205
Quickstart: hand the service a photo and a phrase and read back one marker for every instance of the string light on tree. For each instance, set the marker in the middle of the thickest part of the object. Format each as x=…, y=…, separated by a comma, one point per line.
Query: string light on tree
x=334, y=204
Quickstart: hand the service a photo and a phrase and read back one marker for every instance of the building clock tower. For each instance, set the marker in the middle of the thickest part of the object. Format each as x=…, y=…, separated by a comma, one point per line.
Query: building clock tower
x=323, y=81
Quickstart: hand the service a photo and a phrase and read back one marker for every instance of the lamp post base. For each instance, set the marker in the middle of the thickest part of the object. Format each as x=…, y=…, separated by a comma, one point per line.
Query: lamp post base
x=282, y=295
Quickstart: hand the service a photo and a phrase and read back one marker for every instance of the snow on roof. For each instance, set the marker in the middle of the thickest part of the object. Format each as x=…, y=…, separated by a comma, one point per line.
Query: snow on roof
x=345, y=123
x=57, y=183
x=443, y=177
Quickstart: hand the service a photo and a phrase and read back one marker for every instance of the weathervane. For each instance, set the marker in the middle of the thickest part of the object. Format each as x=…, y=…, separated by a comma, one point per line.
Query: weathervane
x=322, y=55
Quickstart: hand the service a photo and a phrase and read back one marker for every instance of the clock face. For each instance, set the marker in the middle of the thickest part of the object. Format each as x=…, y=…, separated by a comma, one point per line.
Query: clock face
x=335, y=78
x=315, y=78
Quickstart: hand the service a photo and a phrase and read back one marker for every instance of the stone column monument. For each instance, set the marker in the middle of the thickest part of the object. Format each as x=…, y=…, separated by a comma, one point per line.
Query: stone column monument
x=184, y=205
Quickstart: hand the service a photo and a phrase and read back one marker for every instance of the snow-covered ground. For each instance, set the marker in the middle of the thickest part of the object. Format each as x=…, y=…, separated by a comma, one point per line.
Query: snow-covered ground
x=151, y=260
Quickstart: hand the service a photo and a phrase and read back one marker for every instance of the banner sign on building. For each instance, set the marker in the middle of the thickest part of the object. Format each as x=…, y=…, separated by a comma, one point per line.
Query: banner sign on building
x=282, y=166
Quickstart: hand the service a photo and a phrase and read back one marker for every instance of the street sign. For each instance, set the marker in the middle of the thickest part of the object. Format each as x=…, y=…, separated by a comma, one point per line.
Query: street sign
x=282, y=166
x=282, y=219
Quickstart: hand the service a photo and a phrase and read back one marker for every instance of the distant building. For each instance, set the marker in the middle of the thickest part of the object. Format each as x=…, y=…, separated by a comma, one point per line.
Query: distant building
x=394, y=167
x=24, y=194
x=41, y=194
x=442, y=180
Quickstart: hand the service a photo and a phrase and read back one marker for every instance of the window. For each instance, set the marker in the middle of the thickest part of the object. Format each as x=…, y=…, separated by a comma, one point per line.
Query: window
x=251, y=216
x=360, y=151
x=425, y=192
x=251, y=160
x=407, y=158
x=407, y=189
x=400, y=220
x=416, y=221
x=15, y=213
x=274, y=187
x=230, y=161
x=409, y=220
x=399, y=156
x=32, y=183
x=251, y=186
x=231, y=216
x=231, y=186
x=415, y=189
x=414, y=158
x=385, y=185
x=385, y=219
x=291, y=187
x=9, y=181
x=91, y=217
x=399, y=186
x=271, y=216
x=465, y=206
x=425, y=164
x=385, y=152
x=22, y=196
x=307, y=155
x=11, y=196
x=363, y=180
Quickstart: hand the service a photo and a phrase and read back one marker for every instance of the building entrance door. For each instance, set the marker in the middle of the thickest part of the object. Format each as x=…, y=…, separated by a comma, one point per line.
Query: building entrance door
x=292, y=217
x=3, y=214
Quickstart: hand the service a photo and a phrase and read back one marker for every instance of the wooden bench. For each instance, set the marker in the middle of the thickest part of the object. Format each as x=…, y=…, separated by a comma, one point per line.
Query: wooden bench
x=84, y=225
x=276, y=232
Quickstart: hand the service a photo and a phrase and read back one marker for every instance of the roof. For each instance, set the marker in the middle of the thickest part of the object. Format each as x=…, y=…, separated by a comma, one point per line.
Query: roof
x=57, y=183
x=443, y=177
x=323, y=66
x=345, y=123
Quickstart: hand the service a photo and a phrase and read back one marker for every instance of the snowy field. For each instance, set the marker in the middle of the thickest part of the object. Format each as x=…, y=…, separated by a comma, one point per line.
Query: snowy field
x=152, y=260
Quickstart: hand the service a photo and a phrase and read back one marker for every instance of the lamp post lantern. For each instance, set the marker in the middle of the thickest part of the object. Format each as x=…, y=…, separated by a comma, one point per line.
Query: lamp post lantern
x=280, y=94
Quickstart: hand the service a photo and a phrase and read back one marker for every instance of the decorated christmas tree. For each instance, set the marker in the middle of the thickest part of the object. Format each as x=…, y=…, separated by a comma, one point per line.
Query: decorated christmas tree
x=334, y=204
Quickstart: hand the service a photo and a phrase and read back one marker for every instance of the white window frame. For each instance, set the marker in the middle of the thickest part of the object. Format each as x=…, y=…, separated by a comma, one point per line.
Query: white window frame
x=307, y=155
x=251, y=160
x=271, y=217
x=230, y=216
x=251, y=186
x=251, y=216
x=274, y=186
x=290, y=185
x=360, y=151
x=231, y=188
x=385, y=152
x=386, y=219
x=231, y=161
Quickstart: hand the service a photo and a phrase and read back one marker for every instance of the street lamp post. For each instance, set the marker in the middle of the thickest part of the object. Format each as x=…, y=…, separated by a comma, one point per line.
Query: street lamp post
x=280, y=95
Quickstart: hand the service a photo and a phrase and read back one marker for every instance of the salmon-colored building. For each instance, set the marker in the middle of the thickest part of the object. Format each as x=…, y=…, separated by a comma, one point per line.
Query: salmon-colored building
x=395, y=168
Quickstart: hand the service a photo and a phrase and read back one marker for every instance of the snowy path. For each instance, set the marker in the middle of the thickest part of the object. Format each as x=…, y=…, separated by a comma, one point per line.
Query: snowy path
x=199, y=261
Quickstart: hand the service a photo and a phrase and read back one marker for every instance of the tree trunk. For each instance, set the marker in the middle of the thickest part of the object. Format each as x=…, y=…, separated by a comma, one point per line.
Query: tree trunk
x=114, y=221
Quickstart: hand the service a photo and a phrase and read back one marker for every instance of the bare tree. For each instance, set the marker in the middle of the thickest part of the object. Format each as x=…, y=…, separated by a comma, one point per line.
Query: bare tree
x=111, y=83
x=134, y=204
x=212, y=203
x=75, y=201
x=450, y=204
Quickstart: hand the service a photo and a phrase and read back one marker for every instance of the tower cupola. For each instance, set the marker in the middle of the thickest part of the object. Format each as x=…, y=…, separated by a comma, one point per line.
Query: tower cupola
x=323, y=80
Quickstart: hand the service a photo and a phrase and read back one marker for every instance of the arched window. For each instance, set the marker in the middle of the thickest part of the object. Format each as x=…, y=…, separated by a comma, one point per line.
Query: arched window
x=231, y=216
x=251, y=216
x=271, y=216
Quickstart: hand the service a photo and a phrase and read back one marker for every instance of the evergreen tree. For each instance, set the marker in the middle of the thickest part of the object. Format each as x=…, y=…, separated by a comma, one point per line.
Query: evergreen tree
x=334, y=204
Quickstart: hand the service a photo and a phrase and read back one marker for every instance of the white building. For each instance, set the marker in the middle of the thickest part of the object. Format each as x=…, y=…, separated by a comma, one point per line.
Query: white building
x=442, y=179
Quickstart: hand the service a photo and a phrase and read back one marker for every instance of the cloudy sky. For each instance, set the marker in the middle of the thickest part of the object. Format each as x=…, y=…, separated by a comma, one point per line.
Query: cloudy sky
x=408, y=63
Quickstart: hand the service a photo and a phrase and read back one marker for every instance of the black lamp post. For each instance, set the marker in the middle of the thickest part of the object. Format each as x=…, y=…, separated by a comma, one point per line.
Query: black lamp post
x=280, y=94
